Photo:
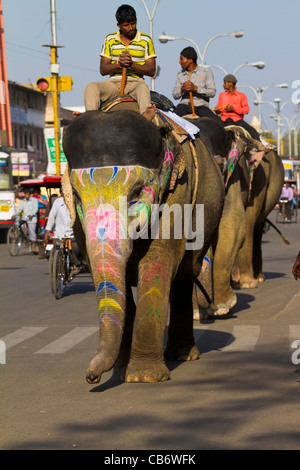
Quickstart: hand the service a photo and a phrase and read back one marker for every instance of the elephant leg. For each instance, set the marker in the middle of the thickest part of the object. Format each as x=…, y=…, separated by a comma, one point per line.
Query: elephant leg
x=146, y=362
x=125, y=348
x=257, y=254
x=181, y=344
x=231, y=237
x=203, y=307
x=245, y=255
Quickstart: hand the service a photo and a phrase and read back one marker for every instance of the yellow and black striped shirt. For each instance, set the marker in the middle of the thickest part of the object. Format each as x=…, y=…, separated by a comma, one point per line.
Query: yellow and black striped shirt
x=140, y=48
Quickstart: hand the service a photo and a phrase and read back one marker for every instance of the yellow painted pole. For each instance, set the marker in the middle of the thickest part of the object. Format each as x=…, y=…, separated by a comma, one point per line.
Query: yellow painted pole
x=56, y=119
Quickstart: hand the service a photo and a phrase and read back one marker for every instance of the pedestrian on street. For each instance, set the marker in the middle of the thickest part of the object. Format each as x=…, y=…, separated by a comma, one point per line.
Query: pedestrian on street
x=287, y=195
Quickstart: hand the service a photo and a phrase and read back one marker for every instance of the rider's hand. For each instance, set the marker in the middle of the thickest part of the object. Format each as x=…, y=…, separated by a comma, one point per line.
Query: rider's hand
x=125, y=59
x=188, y=86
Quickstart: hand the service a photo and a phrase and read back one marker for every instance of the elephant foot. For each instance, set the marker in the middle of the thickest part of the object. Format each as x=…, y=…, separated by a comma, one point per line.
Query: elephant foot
x=96, y=368
x=145, y=372
x=203, y=313
x=248, y=283
x=182, y=353
x=261, y=278
x=224, y=308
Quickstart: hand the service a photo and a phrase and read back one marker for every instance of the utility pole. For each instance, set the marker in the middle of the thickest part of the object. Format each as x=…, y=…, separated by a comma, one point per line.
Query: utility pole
x=54, y=84
x=5, y=118
x=54, y=72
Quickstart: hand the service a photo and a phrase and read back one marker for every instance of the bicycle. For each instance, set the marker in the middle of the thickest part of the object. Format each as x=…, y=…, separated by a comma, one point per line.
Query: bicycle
x=18, y=234
x=281, y=212
x=62, y=269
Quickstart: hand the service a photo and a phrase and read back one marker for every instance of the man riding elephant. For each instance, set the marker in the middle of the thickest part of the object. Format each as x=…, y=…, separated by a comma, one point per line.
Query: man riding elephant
x=129, y=51
x=233, y=105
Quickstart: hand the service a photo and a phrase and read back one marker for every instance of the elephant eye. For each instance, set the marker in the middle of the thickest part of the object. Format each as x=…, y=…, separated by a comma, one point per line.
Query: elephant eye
x=135, y=193
x=77, y=197
x=78, y=204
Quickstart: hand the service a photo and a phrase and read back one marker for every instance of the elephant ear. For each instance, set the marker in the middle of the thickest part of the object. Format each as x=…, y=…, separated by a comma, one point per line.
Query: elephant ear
x=173, y=163
x=173, y=157
x=244, y=143
x=68, y=194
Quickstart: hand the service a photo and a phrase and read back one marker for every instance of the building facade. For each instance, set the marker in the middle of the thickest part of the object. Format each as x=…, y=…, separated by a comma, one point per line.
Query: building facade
x=31, y=112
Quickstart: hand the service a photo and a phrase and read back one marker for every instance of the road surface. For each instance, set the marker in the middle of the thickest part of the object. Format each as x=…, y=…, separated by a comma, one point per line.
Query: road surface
x=243, y=392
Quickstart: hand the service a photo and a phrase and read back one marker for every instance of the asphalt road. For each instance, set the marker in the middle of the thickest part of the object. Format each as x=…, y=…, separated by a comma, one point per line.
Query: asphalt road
x=243, y=392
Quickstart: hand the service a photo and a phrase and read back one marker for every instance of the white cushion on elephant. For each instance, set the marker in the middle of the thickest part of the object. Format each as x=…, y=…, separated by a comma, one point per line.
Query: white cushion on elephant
x=186, y=125
x=266, y=144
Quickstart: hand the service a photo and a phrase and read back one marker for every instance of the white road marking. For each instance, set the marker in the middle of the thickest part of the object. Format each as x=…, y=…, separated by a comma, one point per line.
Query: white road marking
x=67, y=341
x=22, y=334
x=242, y=337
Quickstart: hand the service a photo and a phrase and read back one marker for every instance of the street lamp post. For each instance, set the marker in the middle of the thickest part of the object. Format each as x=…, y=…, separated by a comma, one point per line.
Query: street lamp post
x=279, y=114
x=292, y=126
x=150, y=17
x=296, y=130
x=260, y=92
x=163, y=38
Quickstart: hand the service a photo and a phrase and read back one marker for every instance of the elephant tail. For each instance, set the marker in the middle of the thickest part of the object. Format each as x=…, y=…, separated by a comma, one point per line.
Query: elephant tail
x=207, y=298
x=278, y=231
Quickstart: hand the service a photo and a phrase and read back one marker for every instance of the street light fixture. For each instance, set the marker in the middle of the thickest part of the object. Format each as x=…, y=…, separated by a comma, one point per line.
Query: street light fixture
x=163, y=38
x=150, y=17
x=258, y=65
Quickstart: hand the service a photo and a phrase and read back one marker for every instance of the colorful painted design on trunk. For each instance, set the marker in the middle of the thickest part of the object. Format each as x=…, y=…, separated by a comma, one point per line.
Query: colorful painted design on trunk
x=105, y=225
x=110, y=197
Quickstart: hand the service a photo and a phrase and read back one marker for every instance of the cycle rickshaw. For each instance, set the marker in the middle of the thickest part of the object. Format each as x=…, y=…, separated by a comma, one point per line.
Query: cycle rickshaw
x=65, y=261
x=282, y=214
x=49, y=186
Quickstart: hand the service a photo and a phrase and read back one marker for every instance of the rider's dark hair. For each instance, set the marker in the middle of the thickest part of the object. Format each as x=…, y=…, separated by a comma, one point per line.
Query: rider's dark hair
x=125, y=13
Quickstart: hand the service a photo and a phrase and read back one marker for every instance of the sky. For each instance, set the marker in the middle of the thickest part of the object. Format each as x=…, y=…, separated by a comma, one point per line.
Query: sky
x=271, y=35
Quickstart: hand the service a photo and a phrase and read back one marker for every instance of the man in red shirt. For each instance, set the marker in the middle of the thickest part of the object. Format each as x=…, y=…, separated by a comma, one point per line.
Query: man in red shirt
x=233, y=105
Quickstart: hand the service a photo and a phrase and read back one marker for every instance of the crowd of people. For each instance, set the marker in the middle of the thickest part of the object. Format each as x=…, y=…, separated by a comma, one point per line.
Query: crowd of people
x=46, y=218
x=132, y=51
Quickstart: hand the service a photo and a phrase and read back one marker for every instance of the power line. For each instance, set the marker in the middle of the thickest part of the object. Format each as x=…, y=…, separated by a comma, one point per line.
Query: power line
x=45, y=53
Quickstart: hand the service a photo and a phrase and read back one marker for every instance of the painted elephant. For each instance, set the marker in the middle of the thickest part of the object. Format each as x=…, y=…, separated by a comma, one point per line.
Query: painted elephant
x=251, y=193
x=125, y=176
x=235, y=147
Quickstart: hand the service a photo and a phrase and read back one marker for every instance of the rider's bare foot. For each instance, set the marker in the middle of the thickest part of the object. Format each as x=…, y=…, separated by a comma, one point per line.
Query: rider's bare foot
x=75, y=114
x=150, y=112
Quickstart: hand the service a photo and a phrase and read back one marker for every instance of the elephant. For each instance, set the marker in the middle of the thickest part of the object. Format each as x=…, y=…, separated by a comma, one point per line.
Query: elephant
x=124, y=177
x=216, y=275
